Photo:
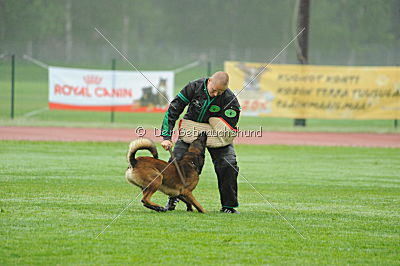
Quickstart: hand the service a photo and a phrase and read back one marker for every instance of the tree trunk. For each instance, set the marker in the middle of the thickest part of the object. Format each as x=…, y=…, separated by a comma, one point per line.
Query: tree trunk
x=125, y=34
x=68, y=31
x=2, y=20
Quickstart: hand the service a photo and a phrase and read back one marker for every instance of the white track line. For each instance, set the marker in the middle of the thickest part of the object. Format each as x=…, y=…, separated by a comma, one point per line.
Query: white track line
x=35, y=112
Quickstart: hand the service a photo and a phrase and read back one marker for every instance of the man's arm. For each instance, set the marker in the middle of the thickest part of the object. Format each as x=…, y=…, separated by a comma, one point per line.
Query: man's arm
x=231, y=113
x=175, y=109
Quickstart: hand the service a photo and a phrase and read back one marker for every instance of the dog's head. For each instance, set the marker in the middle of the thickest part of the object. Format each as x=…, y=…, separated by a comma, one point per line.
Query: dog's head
x=195, y=153
x=199, y=144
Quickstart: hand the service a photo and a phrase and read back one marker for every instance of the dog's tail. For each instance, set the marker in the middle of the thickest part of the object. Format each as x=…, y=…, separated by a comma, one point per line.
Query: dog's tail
x=140, y=144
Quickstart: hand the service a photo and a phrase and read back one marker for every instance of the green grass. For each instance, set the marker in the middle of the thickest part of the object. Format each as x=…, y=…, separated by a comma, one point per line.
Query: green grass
x=31, y=91
x=55, y=197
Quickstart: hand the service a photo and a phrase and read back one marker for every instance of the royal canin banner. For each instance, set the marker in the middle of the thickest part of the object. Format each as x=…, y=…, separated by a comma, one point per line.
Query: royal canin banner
x=107, y=90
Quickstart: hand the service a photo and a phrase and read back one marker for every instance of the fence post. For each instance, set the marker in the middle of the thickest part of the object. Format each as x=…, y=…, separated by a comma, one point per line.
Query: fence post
x=12, y=85
x=303, y=22
x=113, y=67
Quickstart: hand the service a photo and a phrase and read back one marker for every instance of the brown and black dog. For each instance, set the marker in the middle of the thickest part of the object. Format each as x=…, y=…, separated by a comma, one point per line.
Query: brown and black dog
x=152, y=174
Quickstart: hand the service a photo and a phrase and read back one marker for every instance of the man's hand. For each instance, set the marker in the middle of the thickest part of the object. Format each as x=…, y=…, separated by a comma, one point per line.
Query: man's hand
x=166, y=144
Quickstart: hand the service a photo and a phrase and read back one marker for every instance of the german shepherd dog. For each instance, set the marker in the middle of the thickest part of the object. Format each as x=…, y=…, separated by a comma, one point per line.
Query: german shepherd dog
x=152, y=174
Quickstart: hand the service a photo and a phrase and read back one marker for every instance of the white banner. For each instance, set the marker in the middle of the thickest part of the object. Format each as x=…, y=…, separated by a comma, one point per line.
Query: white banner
x=105, y=90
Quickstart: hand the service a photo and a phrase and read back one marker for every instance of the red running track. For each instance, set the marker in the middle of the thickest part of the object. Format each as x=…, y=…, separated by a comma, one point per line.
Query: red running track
x=266, y=138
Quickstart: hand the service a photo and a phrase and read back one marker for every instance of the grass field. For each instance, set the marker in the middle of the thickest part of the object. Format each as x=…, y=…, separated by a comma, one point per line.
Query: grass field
x=32, y=92
x=57, y=196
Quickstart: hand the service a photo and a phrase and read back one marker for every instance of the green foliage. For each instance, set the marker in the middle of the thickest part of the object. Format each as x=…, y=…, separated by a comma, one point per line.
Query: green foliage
x=175, y=32
x=55, y=198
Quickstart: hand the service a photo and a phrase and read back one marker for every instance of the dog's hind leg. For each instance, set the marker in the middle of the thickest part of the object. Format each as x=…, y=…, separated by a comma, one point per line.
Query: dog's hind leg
x=192, y=200
x=188, y=205
x=147, y=193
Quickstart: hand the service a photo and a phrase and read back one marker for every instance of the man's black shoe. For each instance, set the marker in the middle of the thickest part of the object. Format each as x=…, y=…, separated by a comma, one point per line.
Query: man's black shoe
x=229, y=210
x=172, y=201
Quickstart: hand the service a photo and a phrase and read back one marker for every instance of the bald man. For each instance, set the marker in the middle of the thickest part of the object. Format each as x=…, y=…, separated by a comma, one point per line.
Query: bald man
x=207, y=97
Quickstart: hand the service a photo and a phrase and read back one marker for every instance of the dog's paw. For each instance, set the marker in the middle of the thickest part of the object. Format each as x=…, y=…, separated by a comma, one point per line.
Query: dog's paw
x=189, y=209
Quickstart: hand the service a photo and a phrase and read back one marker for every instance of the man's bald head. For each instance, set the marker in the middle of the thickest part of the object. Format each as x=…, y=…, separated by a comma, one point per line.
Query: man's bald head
x=220, y=78
x=217, y=83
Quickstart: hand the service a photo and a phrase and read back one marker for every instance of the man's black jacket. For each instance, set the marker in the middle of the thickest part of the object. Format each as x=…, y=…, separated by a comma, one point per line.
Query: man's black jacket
x=201, y=106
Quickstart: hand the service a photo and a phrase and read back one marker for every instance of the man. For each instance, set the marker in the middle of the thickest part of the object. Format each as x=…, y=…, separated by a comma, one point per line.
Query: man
x=207, y=97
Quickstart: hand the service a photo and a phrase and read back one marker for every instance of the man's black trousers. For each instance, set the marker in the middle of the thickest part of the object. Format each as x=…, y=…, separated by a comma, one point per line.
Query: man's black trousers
x=226, y=168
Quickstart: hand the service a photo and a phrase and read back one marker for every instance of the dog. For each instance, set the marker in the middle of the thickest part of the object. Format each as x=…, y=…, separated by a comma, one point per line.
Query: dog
x=152, y=174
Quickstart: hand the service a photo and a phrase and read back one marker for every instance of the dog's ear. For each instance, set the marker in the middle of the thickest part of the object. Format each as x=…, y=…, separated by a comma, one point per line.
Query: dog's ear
x=198, y=147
